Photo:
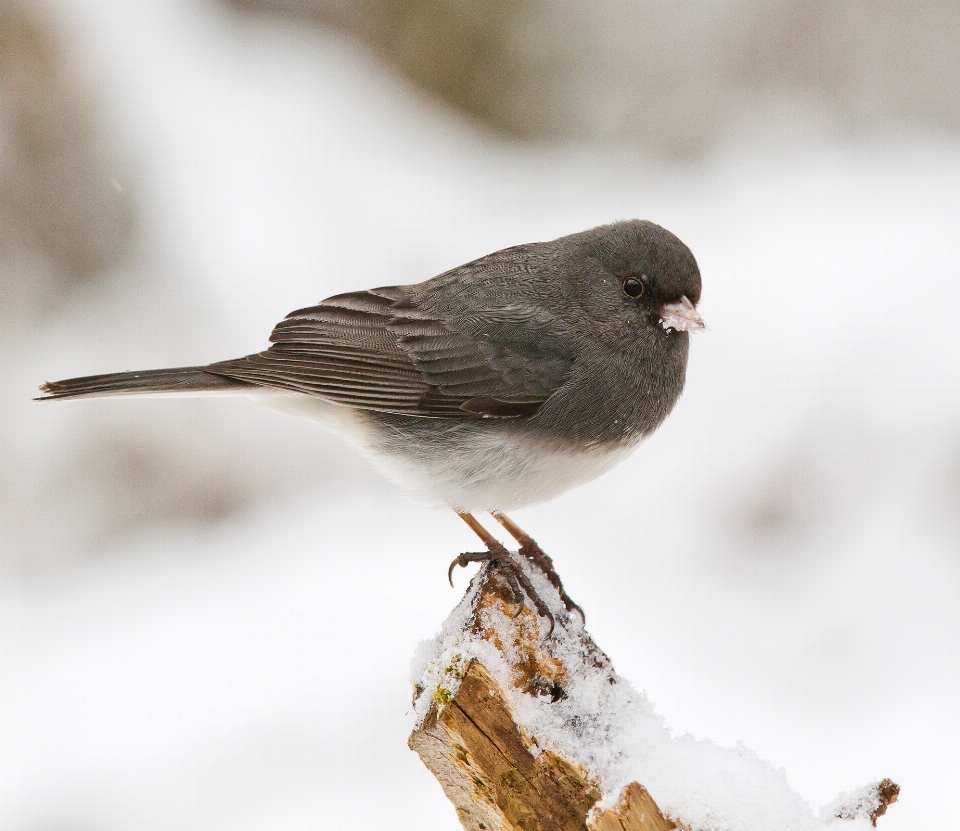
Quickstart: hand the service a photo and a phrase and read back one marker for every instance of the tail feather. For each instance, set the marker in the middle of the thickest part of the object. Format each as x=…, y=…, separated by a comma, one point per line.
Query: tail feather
x=183, y=379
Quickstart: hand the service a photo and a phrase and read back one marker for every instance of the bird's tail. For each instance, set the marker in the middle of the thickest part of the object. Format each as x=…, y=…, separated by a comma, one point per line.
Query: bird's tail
x=150, y=382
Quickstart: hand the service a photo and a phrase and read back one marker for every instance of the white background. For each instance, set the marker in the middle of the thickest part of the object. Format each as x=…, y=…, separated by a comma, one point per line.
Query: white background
x=778, y=566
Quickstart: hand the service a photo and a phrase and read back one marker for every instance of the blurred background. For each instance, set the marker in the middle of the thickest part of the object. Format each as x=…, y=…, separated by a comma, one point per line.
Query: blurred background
x=208, y=610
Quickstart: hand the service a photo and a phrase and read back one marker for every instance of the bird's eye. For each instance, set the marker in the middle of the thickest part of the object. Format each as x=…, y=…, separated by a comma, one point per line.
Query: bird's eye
x=633, y=287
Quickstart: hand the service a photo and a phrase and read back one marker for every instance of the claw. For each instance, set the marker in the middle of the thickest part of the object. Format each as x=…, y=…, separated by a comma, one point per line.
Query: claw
x=573, y=607
x=463, y=560
x=517, y=582
x=516, y=579
x=533, y=552
x=514, y=587
x=544, y=562
x=517, y=575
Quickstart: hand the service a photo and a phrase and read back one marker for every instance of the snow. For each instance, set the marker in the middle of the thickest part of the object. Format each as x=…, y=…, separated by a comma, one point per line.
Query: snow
x=777, y=567
x=864, y=804
x=605, y=726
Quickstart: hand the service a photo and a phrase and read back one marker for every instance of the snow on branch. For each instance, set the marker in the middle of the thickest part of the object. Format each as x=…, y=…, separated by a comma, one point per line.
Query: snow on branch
x=539, y=733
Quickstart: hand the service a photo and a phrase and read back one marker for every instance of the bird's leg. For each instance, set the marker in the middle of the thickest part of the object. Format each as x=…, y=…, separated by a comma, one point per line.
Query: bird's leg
x=532, y=551
x=512, y=572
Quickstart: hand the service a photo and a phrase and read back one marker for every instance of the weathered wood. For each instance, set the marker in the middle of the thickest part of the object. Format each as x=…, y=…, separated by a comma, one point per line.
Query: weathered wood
x=888, y=792
x=635, y=810
x=488, y=771
x=870, y=802
x=498, y=778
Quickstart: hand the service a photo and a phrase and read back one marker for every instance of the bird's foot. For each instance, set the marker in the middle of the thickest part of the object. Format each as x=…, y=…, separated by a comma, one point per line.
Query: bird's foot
x=513, y=574
x=534, y=553
x=544, y=562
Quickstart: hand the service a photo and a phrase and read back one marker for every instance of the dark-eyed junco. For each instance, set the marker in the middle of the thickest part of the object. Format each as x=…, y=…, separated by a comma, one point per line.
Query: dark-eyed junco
x=495, y=385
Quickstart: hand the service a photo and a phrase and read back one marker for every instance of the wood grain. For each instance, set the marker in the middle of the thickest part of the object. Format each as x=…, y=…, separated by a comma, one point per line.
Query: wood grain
x=497, y=777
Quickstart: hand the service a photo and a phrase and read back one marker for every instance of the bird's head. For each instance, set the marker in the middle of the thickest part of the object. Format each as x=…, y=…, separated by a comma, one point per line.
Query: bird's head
x=648, y=274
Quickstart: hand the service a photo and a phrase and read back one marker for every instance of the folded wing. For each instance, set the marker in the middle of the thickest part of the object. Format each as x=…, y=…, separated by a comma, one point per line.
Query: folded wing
x=383, y=350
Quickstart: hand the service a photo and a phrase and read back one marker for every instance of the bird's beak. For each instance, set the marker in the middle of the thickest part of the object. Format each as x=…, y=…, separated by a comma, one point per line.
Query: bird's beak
x=682, y=316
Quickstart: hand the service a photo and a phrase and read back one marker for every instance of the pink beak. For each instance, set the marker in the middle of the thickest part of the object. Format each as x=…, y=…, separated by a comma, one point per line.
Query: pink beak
x=682, y=316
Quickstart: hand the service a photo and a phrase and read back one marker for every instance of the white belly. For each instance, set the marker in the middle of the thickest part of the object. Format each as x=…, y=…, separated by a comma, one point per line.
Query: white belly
x=481, y=471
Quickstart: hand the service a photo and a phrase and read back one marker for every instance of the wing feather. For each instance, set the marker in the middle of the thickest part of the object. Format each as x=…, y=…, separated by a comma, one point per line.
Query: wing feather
x=388, y=350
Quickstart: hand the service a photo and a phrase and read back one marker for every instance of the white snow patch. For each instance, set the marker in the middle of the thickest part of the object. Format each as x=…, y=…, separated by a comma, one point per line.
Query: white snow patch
x=604, y=724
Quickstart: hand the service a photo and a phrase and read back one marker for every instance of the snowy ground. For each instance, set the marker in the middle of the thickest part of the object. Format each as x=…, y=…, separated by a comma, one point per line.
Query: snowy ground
x=779, y=566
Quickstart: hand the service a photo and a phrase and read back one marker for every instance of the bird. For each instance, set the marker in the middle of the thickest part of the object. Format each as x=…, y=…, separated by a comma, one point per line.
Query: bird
x=498, y=384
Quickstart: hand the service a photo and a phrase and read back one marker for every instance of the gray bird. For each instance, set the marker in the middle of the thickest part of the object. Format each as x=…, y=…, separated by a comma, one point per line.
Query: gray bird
x=499, y=384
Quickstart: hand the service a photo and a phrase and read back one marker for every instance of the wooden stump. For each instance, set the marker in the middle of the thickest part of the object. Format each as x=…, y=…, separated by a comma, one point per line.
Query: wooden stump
x=503, y=776
x=487, y=770
x=497, y=777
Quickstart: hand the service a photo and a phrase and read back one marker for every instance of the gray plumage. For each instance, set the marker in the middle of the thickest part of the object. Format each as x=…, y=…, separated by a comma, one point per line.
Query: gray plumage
x=483, y=386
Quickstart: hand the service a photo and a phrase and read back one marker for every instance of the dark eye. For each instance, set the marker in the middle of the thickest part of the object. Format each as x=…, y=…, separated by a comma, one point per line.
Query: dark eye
x=633, y=287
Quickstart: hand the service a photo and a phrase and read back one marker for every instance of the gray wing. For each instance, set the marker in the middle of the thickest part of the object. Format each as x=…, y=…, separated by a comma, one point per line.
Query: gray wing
x=441, y=355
